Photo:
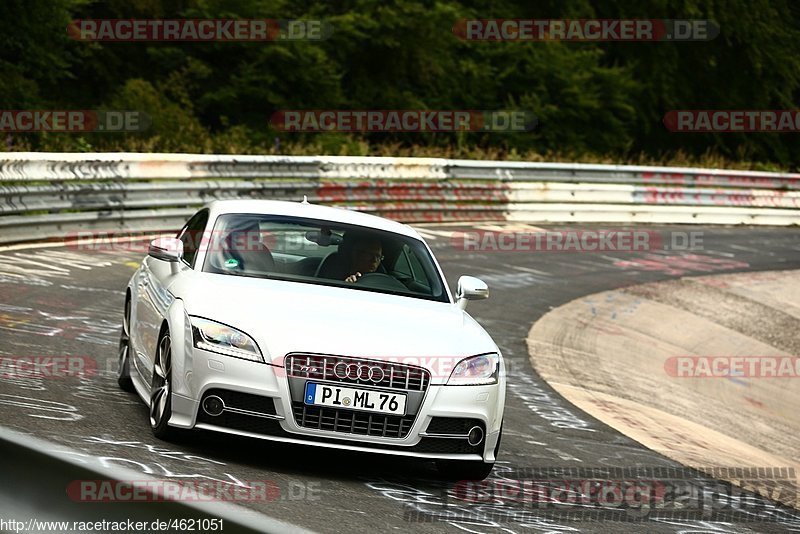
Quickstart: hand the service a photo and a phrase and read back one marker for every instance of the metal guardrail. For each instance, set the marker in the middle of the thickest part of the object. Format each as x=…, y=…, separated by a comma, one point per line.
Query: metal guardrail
x=48, y=195
x=37, y=476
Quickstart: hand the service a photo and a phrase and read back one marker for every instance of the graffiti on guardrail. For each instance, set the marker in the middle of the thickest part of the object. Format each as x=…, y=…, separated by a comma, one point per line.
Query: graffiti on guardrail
x=717, y=197
x=704, y=178
x=117, y=191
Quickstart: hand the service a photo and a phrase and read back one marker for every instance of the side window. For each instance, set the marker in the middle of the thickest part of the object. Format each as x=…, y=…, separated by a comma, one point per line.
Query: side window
x=416, y=268
x=409, y=267
x=191, y=235
x=401, y=266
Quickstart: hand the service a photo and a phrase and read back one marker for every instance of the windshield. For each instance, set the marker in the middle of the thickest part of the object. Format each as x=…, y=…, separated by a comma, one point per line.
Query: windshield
x=322, y=252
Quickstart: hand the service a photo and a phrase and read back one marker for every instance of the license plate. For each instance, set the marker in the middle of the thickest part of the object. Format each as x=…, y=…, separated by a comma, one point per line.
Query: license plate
x=355, y=399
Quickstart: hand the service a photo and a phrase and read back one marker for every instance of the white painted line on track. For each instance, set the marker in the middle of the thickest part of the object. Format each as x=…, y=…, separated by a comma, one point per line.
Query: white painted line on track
x=718, y=253
x=745, y=249
x=529, y=270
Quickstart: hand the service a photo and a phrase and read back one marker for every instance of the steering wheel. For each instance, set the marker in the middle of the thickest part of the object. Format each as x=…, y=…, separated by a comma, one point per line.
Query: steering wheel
x=381, y=281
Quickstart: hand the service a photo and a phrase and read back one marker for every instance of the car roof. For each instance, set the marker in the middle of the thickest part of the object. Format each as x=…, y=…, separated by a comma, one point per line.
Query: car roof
x=309, y=211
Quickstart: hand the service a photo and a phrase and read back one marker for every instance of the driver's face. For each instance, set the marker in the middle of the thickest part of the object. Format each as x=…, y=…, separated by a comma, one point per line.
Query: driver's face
x=367, y=257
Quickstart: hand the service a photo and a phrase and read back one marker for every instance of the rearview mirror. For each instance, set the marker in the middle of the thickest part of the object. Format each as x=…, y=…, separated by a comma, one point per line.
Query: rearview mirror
x=324, y=237
x=166, y=249
x=470, y=288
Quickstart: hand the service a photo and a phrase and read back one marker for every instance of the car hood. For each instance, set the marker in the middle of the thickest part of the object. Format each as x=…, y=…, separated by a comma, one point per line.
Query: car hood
x=285, y=317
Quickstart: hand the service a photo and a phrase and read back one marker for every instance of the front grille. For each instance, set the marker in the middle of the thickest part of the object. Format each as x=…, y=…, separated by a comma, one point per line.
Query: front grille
x=447, y=446
x=245, y=423
x=452, y=425
x=352, y=422
x=358, y=371
x=257, y=404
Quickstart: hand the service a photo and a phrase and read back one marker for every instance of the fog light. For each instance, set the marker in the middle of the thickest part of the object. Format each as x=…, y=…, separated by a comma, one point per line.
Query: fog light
x=475, y=436
x=213, y=405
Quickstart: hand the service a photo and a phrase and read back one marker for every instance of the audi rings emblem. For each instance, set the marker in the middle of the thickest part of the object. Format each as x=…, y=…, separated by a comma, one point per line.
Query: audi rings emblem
x=358, y=371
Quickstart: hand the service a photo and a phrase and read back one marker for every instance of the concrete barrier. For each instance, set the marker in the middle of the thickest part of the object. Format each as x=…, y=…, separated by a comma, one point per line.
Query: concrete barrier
x=39, y=479
x=48, y=195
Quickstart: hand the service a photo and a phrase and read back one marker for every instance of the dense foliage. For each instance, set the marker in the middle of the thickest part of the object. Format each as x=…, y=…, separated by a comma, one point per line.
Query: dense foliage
x=594, y=101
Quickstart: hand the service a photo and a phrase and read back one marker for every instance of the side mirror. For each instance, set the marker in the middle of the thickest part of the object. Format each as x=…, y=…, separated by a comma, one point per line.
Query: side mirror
x=166, y=249
x=470, y=288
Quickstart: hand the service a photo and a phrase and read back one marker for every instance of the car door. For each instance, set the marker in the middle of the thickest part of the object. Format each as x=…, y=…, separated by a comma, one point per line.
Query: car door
x=154, y=297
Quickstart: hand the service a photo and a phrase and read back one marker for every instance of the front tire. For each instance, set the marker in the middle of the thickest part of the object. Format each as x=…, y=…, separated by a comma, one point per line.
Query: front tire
x=161, y=390
x=124, y=373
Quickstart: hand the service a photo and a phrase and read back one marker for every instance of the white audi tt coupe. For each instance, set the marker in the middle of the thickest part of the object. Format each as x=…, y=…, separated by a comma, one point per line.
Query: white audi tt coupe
x=312, y=325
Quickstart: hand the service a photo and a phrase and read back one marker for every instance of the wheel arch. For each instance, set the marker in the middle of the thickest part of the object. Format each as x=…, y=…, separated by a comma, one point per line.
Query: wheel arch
x=176, y=324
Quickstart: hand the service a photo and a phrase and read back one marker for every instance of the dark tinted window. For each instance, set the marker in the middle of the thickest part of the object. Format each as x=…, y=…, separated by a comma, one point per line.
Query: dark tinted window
x=191, y=234
x=322, y=253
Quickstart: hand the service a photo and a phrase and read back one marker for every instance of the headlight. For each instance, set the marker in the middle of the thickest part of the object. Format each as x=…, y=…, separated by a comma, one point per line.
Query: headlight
x=216, y=337
x=476, y=371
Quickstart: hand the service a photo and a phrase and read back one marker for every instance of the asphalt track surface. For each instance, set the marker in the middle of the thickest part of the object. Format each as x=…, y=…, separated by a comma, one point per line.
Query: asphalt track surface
x=57, y=301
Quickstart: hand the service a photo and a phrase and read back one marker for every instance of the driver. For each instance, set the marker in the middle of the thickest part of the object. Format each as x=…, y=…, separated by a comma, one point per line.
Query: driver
x=365, y=257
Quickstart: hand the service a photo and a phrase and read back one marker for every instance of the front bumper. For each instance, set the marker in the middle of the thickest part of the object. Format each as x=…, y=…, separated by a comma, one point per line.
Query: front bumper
x=208, y=372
